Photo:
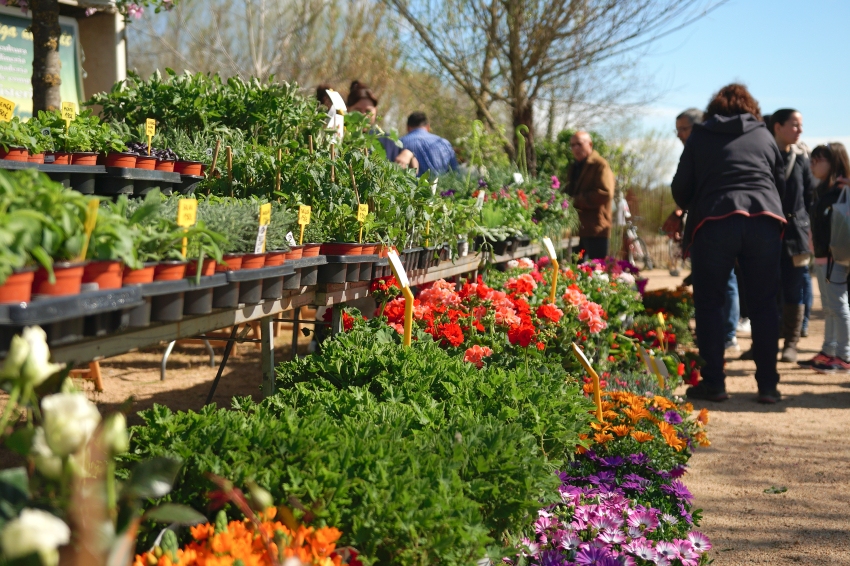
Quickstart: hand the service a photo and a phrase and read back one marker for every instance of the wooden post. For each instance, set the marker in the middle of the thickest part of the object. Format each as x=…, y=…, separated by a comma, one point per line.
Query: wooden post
x=230, y=168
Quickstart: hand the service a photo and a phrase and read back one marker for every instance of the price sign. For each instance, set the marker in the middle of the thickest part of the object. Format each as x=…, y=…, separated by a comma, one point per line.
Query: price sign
x=260, y=244
x=91, y=222
x=597, y=393
x=398, y=269
x=290, y=239
x=150, y=132
x=304, y=214
x=7, y=109
x=550, y=248
x=362, y=212
x=187, y=212
x=69, y=112
x=266, y=214
x=479, y=203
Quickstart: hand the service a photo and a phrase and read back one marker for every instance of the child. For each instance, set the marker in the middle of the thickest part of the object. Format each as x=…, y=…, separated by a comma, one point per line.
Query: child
x=829, y=162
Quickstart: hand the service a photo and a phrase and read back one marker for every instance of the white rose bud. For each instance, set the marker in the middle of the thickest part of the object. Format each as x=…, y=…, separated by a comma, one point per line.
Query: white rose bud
x=35, y=531
x=46, y=462
x=69, y=421
x=115, y=437
x=261, y=498
x=19, y=349
x=37, y=367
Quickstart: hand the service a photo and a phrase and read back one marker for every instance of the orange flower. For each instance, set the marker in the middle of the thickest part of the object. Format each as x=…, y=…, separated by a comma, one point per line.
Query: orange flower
x=702, y=418
x=663, y=403
x=702, y=439
x=636, y=414
x=621, y=430
x=588, y=388
x=610, y=415
x=601, y=427
x=689, y=407
x=641, y=436
x=602, y=437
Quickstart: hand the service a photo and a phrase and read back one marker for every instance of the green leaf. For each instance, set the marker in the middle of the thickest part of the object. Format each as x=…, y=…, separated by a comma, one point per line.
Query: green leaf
x=153, y=478
x=174, y=513
x=21, y=440
x=14, y=492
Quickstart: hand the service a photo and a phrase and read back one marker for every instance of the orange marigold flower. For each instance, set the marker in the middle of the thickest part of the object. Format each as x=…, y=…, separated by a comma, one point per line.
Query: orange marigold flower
x=702, y=418
x=636, y=415
x=689, y=407
x=641, y=436
x=702, y=439
x=588, y=388
x=621, y=430
x=602, y=437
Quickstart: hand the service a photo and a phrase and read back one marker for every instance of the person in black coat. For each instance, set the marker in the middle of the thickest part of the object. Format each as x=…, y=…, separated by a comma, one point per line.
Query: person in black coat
x=731, y=179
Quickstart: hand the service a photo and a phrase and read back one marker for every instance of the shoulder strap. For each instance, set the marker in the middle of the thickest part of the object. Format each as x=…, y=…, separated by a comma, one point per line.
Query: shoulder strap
x=789, y=167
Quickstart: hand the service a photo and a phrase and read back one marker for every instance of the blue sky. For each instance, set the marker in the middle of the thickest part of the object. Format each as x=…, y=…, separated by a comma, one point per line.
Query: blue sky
x=789, y=53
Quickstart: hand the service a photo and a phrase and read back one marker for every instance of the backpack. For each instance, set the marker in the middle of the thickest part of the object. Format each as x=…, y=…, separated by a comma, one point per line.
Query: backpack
x=839, y=231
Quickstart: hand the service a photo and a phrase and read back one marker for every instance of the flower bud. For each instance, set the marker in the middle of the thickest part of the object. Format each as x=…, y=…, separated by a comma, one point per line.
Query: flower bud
x=260, y=498
x=69, y=421
x=35, y=531
x=37, y=367
x=115, y=438
x=19, y=349
x=46, y=462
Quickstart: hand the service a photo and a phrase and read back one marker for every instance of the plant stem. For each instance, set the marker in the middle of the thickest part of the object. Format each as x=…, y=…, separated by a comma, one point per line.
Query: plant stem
x=111, y=501
x=10, y=408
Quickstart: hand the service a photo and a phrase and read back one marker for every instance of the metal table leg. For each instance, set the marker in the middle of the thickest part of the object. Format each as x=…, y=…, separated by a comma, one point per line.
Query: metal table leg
x=227, y=349
x=211, y=352
x=267, y=339
x=296, y=328
x=336, y=320
x=165, y=359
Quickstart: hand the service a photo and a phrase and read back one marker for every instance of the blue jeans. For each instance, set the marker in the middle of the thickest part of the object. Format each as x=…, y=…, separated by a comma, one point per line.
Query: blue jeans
x=793, y=280
x=755, y=243
x=808, y=297
x=732, y=307
x=836, y=312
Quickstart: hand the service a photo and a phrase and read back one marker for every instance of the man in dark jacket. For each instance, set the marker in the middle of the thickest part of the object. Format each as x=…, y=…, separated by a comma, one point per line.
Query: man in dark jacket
x=731, y=181
x=591, y=184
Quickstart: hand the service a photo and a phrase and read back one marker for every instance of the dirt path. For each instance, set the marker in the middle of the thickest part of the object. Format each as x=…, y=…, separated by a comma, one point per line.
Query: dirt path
x=799, y=444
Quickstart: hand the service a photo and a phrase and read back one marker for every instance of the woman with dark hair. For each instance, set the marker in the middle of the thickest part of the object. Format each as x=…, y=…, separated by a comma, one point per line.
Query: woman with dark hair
x=322, y=95
x=829, y=162
x=731, y=179
x=362, y=99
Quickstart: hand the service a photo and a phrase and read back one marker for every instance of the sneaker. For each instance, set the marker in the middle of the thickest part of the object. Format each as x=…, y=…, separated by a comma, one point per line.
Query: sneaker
x=833, y=365
x=744, y=328
x=821, y=358
x=804, y=331
x=770, y=397
x=733, y=345
x=703, y=393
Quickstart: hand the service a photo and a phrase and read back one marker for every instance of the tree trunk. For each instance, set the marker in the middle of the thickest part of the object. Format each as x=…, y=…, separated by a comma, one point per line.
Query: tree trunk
x=523, y=114
x=46, y=65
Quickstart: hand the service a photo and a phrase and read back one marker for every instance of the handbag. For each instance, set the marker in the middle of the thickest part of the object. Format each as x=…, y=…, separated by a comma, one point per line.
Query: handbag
x=839, y=230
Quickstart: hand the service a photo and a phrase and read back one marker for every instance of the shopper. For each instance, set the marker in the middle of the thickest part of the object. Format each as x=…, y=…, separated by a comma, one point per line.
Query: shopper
x=362, y=99
x=731, y=180
x=828, y=163
x=434, y=153
x=787, y=126
x=591, y=184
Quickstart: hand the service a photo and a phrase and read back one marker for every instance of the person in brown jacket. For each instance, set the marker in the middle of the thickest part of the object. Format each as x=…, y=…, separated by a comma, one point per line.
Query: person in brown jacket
x=591, y=184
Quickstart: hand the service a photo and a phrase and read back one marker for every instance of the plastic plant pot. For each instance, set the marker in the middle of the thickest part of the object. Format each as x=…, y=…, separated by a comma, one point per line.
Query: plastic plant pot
x=166, y=165
x=169, y=271
x=69, y=278
x=341, y=248
x=123, y=159
x=206, y=270
x=145, y=162
x=15, y=154
x=275, y=258
x=188, y=167
x=230, y=262
x=370, y=249
x=253, y=261
x=37, y=158
x=61, y=158
x=18, y=287
x=295, y=252
x=106, y=274
x=139, y=276
x=311, y=250
x=84, y=158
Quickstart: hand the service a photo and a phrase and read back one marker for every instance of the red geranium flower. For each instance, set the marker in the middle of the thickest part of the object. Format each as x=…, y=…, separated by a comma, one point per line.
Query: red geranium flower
x=450, y=333
x=521, y=334
x=549, y=312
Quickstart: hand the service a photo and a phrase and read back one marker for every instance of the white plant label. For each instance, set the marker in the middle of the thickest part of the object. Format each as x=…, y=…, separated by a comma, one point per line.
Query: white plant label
x=398, y=269
x=337, y=103
x=259, y=245
x=660, y=367
x=646, y=359
x=434, y=186
x=290, y=239
x=550, y=248
x=518, y=178
x=479, y=204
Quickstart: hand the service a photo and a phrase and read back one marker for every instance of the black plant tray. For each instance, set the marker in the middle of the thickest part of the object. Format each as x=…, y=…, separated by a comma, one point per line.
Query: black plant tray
x=138, y=182
x=54, y=309
x=251, y=281
x=188, y=183
x=16, y=165
x=165, y=301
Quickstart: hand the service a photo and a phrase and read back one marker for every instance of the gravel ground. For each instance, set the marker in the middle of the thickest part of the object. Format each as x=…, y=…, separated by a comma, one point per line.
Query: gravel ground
x=797, y=445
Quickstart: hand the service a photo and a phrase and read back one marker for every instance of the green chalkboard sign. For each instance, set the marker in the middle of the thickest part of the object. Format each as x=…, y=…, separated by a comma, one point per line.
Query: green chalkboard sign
x=16, y=51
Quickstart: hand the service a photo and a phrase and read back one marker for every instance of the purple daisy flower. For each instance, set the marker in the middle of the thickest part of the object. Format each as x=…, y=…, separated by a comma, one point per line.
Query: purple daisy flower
x=481, y=182
x=551, y=558
x=678, y=471
x=673, y=417
x=684, y=513
x=670, y=519
x=643, y=520
x=638, y=459
x=569, y=542
x=699, y=541
x=606, y=522
x=667, y=550
x=613, y=461
x=611, y=536
x=448, y=193
x=642, y=550
x=594, y=557
x=678, y=490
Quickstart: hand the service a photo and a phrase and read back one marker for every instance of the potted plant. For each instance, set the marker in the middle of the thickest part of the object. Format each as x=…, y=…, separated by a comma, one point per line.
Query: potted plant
x=283, y=221
x=315, y=234
x=15, y=140
x=238, y=221
x=343, y=232
x=109, y=142
x=192, y=151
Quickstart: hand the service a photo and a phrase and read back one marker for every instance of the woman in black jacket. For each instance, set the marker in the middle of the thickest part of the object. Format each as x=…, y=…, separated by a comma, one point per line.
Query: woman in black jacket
x=786, y=125
x=731, y=179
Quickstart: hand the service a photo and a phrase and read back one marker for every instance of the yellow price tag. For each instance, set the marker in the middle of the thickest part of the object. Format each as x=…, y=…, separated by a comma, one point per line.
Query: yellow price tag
x=91, y=222
x=266, y=214
x=362, y=212
x=304, y=214
x=150, y=127
x=187, y=212
x=7, y=109
x=597, y=392
x=69, y=112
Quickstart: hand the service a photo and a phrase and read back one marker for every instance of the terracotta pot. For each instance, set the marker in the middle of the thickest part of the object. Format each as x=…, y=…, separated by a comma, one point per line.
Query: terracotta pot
x=295, y=252
x=275, y=258
x=341, y=248
x=169, y=271
x=107, y=274
x=145, y=162
x=166, y=165
x=83, y=158
x=207, y=269
x=139, y=276
x=15, y=154
x=125, y=160
x=188, y=167
x=311, y=250
x=253, y=261
x=37, y=158
x=69, y=277
x=382, y=250
x=370, y=249
x=230, y=262
x=61, y=158
x=18, y=287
